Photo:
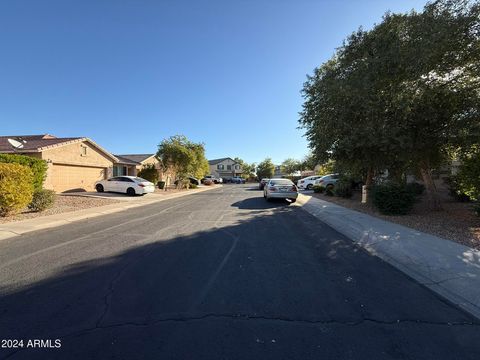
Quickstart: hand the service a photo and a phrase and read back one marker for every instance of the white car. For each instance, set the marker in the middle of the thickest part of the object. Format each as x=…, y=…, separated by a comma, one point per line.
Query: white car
x=328, y=181
x=280, y=189
x=131, y=185
x=308, y=182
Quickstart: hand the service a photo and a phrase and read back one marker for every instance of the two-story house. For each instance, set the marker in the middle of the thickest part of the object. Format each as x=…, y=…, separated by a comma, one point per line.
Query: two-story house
x=225, y=168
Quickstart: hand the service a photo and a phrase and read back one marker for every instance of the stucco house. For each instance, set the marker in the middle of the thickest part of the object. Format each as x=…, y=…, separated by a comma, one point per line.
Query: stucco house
x=131, y=164
x=74, y=163
x=224, y=168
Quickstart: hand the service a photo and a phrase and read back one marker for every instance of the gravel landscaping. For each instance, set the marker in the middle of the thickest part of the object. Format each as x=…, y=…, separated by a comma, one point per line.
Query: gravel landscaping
x=62, y=204
x=456, y=222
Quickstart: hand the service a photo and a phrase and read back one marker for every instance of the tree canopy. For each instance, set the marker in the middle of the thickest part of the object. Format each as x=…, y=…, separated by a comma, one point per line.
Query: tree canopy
x=397, y=96
x=265, y=169
x=183, y=156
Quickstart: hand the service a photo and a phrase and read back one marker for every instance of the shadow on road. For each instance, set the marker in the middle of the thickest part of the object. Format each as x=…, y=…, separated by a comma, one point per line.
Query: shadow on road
x=273, y=286
x=257, y=203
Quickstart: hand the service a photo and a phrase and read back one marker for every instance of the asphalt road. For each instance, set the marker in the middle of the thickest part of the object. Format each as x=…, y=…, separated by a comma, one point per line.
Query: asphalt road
x=221, y=274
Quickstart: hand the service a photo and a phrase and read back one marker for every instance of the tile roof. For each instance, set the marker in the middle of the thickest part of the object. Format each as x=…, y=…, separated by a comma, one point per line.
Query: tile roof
x=124, y=160
x=39, y=143
x=33, y=143
x=138, y=158
x=216, y=161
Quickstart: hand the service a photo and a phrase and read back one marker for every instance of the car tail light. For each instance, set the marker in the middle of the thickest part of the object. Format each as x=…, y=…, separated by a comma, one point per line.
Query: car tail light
x=272, y=188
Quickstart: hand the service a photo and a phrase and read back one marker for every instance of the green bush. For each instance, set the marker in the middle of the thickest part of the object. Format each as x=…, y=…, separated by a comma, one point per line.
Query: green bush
x=42, y=200
x=393, y=199
x=318, y=188
x=16, y=188
x=149, y=172
x=329, y=191
x=193, y=186
x=455, y=189
x=416, y=188
x=39, y=167
x=476, y=209
x=343, y=189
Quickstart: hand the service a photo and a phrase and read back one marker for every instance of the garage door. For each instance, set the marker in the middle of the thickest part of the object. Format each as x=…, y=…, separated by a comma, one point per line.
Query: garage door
x=75, y=178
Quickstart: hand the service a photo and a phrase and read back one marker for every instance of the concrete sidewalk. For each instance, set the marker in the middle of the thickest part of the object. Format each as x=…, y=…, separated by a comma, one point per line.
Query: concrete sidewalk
x=15, y=228
x=448, y=268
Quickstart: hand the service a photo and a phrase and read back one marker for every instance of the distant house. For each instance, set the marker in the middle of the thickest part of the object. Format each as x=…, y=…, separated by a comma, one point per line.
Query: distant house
x=131, y=164
x=74, y=163
x=224, y=167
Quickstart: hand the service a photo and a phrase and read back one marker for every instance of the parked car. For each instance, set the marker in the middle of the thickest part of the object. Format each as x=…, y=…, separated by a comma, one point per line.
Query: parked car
x=308, y=182
x=208, y=181
x=328, y=181
x=213, y=179
x=131, y=185
x=238, y=180
x=194, y=181
x=280, y=189
x=262, y=183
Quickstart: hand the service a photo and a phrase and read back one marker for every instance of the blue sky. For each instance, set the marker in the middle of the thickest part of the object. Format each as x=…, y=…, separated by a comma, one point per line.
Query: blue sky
x=129, y=73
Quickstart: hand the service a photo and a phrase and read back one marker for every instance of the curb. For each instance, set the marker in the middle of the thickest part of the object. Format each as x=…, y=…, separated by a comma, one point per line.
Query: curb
x=447, y=268
x=17, y=228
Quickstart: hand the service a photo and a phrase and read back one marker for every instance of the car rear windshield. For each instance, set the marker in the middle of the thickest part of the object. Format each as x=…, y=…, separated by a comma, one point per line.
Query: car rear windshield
x=281, y=182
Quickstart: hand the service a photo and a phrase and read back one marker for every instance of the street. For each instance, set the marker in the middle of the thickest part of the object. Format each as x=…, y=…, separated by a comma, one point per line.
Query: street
x=221, y=274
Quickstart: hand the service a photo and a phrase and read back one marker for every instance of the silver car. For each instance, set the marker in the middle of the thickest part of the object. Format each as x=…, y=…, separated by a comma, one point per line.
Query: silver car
x=328, y=181
x=280, y=189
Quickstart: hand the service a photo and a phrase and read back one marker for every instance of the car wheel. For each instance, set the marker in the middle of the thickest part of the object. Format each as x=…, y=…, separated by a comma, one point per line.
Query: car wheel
x=293, y=200
x=99, y=188
x=309, y=187
x=131, y=192
x=329, y=187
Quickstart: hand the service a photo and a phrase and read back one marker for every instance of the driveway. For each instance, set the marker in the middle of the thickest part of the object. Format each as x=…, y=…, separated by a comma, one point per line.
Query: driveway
x=221, y=274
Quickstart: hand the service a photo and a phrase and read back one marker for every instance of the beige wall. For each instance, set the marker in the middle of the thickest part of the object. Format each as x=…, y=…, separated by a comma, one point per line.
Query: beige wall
x=71, y=168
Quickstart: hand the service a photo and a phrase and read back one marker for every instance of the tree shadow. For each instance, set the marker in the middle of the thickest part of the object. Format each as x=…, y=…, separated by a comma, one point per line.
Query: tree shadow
x=227, y=291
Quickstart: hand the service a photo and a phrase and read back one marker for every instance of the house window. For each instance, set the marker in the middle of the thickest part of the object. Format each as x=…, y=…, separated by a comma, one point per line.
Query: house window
x=237, y=167
x=229, y=167
x=220, y=166
x=83, y=150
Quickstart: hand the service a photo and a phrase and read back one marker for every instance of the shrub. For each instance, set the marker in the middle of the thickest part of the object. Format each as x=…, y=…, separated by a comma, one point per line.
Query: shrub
x=329, y=191
x=393, y=199
x=455, y=189
x=16, y=188
x=476, y=209
x=318, y=188
x=42, y=200
x=416, y=188
x=343, y=189
x=193, y=186
x=38, y=167
x=149, y=172
x=466, y=184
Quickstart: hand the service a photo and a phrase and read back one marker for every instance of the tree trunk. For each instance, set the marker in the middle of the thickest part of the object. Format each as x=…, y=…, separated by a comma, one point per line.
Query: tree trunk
x=432, y=196
x=368, y=185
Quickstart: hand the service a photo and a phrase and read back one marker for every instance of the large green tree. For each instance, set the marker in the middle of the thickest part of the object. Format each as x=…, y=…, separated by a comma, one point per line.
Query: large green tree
x=265, y=168
x=290, y=166
x=183, y=157
x=397, y=96
x=248, y=170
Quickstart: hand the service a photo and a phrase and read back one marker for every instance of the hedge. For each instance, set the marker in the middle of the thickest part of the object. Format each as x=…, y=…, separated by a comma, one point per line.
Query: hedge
x=16, y=188
x=39, y=167
x=42, y=200
x=149, y=172
x=393, y=199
